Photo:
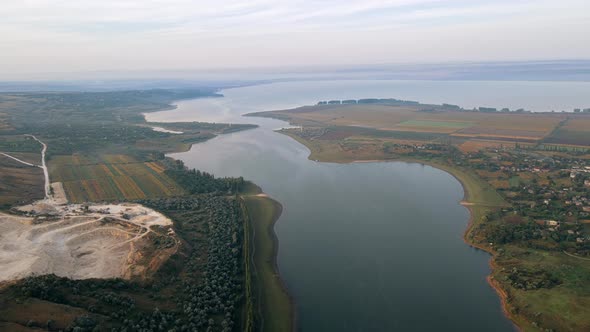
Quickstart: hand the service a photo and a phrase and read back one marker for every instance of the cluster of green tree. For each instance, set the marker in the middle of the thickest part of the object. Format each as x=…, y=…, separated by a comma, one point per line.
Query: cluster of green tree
x=451, y=106
x=381, y=101
x=196, y=182
x=424, y=150
x=492, y=109
x=532, y=279
x=502, y=230
x=388, y=101
x=443, y=107
x=503, y=110
x=502, y=233
x=214, y=303
x=574, y=150
x=97, y=296
x=220, y=293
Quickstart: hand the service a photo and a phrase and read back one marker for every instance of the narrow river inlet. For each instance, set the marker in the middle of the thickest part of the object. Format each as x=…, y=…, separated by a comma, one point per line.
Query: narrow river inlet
x=363, y=246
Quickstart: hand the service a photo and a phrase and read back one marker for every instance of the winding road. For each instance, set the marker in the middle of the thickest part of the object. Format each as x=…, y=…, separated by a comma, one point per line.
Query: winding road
x=20, y=161
x=575, y=256
x=42, y=166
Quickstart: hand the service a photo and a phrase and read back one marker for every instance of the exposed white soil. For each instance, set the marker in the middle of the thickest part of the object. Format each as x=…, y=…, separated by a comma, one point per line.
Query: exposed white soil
x=164, y=130
x=58, y=193
x=78, y=241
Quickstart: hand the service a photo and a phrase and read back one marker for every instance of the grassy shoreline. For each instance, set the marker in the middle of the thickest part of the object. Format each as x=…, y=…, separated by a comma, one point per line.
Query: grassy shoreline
x=470, y=190
x=274, y=304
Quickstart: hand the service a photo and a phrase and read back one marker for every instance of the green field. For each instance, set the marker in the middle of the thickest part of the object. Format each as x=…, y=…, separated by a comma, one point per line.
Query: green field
x=274, y=307
x=19, y=183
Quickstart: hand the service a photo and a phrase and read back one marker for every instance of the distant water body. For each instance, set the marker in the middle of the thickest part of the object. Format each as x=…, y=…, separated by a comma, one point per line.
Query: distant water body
x=534, y=96
x=371, y=246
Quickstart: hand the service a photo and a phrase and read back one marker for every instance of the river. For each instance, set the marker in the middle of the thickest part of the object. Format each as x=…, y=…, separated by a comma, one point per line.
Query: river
x=366, y=246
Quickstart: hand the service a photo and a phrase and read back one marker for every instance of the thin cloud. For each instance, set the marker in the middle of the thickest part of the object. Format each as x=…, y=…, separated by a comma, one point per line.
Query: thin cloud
x=161, y=34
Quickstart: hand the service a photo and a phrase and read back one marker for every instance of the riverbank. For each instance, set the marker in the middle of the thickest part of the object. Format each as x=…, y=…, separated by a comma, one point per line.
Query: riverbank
x=266, y=292
x=474, y=191
x=479, y=198
x=275, y=307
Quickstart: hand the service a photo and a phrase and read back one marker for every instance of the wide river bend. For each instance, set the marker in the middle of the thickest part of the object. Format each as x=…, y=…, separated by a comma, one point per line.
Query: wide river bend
x=366, y=246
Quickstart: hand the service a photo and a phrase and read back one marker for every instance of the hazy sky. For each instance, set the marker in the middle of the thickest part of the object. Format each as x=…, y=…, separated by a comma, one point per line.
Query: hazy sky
x=43, y=36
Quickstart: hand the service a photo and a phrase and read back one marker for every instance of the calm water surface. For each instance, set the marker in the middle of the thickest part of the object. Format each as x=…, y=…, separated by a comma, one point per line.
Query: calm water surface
x=371, y=246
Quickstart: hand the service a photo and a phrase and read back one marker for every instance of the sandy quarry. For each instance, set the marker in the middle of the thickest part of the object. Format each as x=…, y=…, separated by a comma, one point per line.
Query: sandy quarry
x=79, y=241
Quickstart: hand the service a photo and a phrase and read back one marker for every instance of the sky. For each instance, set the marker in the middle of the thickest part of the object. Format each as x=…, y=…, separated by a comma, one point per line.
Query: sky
x=47, y=38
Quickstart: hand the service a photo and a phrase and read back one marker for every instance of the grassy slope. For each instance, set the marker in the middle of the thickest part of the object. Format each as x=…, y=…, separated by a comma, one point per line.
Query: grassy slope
x=275, y=307
x=562, y=308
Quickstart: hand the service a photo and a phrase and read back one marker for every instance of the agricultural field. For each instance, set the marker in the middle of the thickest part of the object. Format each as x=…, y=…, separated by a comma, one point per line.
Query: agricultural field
x=5, y=103
x=575, y=132
x=371, y=116
x=19, y=183
x=433, y=126
x=30, y=157
x=579, y=123
x=4, y=125
x=469, y=130
x=111, y=177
